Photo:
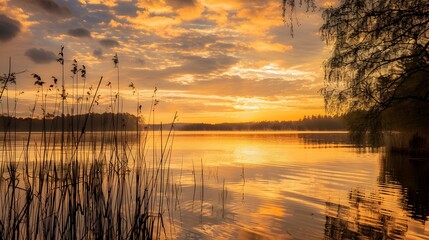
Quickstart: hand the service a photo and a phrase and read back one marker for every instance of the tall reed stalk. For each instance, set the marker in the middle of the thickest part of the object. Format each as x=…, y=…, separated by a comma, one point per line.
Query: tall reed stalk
x=112, y=186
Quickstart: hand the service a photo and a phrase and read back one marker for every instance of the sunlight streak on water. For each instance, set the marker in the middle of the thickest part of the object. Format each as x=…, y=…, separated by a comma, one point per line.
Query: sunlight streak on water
x=295, y=186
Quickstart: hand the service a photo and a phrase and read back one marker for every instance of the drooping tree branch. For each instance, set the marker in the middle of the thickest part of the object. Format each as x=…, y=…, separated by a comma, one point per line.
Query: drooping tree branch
x=289, y=8
x=375, y=45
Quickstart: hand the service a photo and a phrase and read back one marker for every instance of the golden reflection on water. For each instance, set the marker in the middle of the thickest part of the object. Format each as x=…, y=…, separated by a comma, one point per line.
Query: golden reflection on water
x=291, y=186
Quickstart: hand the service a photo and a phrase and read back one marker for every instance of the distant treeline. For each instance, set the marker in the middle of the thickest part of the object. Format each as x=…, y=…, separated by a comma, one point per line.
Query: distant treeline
x=309, y=123
x=128, y=122
x=94, y=122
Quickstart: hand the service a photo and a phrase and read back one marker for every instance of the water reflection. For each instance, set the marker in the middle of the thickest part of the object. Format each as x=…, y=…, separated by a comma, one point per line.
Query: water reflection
x=412, y=175
x=294, y=185
x=363, y=217
x=325, y=139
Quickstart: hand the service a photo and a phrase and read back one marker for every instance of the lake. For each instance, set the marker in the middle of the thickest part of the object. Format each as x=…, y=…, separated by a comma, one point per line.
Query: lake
x=210, y=185
x=294, y=185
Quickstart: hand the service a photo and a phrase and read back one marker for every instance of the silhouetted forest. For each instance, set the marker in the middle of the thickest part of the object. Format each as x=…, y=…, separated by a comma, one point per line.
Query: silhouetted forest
x=95, y=122
x=310, y=123
x=128, y=122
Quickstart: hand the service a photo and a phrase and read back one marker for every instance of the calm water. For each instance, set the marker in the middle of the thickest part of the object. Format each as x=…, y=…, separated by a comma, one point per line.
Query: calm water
x=294, y=185
x=285, y=185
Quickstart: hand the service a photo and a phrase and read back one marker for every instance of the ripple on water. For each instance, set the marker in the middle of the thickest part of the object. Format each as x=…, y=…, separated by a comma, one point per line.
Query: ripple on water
x=303, y=187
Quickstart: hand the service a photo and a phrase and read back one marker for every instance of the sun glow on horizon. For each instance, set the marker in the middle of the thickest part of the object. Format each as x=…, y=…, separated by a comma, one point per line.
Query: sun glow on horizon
x=212, y=61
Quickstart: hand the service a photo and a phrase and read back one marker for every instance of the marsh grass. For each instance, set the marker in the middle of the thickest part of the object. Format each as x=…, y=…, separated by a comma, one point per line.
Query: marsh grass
x=67, y=183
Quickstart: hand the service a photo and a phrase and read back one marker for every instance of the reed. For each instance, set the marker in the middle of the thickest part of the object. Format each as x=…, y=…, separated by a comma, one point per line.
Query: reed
x=68, y=183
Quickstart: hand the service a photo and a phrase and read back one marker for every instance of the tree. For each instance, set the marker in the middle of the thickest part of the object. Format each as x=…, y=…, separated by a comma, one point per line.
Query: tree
x=288, y=10
x=380, y=58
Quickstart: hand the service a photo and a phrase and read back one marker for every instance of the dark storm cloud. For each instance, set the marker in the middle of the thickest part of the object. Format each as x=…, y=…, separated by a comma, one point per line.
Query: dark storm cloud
x=109, y=43
x=79, y=32
x=98, y=53
x=40, y=55
x=50, y=6
x=9, y=28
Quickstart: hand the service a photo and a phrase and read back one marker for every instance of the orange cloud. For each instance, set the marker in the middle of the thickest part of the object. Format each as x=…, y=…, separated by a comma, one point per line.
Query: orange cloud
x=109, y=3
x=263, y=46
x=207, y=57
x=191, y=12
x=17, y=14
x=161, y=25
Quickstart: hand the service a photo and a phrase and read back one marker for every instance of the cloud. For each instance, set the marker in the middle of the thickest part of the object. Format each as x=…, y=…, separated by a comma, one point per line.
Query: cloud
x=98, y=53
x=263, y=46
x=220, y=48
x=224, y=46
x=306, y=42
x=109, y=43
x=206, y=65
x=247, y=87
x=191, y=41
x=126, y=9
x=52, y=7
x=79, y=32
x=187, y=69
x=141, y=61
x=40, y=55
x=196, y=65
x=181, y=3
x=9, y=28
x=159, y=23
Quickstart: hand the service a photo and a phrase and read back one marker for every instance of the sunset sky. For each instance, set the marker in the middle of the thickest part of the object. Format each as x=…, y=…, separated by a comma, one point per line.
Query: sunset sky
x=211, y=60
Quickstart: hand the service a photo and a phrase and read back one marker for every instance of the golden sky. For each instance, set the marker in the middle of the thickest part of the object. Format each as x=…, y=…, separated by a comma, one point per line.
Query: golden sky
x=211, y=60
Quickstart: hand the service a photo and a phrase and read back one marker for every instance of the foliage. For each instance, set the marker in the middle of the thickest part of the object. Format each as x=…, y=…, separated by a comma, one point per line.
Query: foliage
x=359, y=122
x=313, y=123
x=96, y=122
x=380, y=59
x=288, y=10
